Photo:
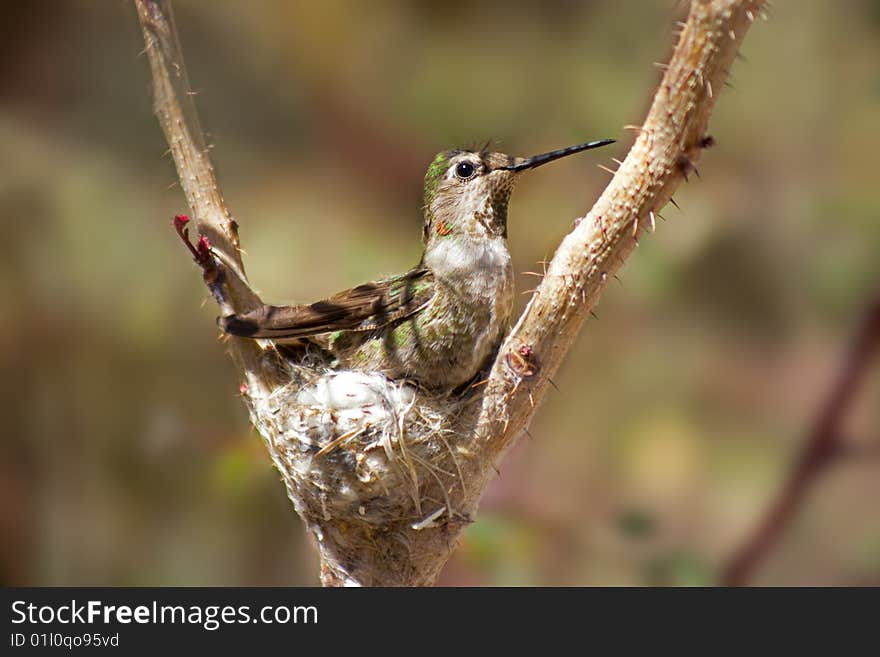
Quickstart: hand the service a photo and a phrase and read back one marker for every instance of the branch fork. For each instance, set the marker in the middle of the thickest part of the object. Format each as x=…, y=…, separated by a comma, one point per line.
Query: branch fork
x=390, y=507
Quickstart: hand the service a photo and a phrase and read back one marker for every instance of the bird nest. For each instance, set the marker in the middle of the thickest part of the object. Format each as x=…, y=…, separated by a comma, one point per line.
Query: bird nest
x=361, y=455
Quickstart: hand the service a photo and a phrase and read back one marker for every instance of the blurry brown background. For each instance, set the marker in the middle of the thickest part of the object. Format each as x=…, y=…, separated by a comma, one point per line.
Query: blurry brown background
x=126, y=456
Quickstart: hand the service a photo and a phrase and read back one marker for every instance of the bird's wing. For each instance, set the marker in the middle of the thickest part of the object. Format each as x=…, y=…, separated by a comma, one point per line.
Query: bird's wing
x=363, y=308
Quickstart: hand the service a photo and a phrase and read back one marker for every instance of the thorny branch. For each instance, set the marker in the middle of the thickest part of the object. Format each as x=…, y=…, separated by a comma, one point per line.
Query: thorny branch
x=821, y=449
x=175, y=110
x=665, y=152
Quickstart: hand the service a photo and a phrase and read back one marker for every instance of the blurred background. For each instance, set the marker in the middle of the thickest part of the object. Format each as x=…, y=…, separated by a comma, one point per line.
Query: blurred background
x=126, y=457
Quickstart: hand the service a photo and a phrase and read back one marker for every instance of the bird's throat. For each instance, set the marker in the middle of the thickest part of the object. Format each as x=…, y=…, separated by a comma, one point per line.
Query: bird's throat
x=465, y=257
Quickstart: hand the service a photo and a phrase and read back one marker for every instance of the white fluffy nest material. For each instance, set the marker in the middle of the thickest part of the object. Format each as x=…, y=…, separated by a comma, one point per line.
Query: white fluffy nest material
x=356, y=448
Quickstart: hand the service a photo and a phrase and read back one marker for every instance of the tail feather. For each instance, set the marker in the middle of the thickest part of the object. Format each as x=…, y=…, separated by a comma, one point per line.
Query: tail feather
x=278, y=322
x=239, y=325
x=362, y=308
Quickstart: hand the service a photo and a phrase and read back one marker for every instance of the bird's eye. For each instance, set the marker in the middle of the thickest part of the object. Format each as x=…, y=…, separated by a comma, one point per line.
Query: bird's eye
x=465, y=170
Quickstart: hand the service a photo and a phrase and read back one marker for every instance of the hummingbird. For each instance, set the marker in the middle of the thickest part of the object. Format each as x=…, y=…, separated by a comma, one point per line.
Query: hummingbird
x=438, y=323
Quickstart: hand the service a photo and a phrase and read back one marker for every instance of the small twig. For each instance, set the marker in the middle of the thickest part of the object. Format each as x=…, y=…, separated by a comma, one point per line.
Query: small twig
x=823, y=444
x=205, y=258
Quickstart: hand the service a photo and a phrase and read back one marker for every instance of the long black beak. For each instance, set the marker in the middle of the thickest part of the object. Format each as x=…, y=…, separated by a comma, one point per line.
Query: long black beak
x=538, y=160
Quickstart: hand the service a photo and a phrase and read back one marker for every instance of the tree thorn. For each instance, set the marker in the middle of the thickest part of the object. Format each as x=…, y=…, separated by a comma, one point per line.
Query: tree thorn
x=708, y=141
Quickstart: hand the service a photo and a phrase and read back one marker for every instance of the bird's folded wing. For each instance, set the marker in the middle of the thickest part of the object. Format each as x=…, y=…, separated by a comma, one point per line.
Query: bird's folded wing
x=363, y=308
